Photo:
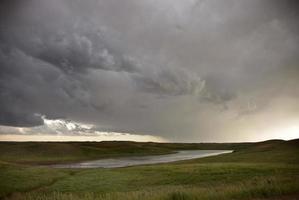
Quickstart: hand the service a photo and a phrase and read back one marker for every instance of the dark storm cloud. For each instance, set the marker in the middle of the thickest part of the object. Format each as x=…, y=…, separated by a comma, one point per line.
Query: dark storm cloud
x=170, y=82
x=160, y=67
x=30, y=87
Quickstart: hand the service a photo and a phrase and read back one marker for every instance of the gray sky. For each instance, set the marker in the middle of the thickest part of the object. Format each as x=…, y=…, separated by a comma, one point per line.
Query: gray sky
x=192, y=70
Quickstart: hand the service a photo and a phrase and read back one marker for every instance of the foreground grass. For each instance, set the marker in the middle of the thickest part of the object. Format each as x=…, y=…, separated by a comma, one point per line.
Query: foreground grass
x=265, y=190
x=262, y=170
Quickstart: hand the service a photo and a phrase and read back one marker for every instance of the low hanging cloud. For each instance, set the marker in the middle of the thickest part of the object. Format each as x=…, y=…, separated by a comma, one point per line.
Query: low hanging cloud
x=169, y=69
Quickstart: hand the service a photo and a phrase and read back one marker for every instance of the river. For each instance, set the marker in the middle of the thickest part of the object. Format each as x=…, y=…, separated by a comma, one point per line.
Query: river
x=143, y=160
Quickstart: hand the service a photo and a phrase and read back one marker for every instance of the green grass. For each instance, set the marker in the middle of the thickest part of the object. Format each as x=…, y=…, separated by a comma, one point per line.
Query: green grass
x=63, y=152
x=272, y=151
x=263, y=170
x=58, y=152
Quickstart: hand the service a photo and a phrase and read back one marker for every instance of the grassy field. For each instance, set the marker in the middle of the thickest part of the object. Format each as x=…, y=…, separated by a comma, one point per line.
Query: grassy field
x=63, y=152
x=265, y=170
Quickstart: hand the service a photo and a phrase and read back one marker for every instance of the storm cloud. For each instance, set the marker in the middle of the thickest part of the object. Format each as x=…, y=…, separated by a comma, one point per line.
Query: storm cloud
x=195, y=70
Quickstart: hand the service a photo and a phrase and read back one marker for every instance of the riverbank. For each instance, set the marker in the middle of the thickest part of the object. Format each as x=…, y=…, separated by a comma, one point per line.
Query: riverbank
x=39, y=153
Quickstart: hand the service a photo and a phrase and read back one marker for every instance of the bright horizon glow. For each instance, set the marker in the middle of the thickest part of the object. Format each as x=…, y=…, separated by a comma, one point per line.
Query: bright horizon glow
x=73, y=138
x=286, y=133
x=289, y=133
x=67, y=130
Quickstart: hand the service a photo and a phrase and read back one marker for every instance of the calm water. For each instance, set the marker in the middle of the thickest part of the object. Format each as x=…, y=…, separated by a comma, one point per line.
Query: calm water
x=142, y=160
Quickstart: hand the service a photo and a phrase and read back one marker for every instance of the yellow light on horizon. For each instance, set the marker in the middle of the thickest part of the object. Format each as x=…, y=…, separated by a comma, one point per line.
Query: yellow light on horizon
x=286, y=133
x=74, y=138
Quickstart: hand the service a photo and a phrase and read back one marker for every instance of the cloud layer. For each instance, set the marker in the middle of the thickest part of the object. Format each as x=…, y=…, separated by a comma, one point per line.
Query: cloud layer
x=183, y=70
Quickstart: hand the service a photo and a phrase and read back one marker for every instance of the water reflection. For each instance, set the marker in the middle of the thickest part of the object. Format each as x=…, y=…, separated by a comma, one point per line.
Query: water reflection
x=142, y=160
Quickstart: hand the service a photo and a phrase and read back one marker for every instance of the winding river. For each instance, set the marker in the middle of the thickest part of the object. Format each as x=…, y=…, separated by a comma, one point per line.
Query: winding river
x=143, y=160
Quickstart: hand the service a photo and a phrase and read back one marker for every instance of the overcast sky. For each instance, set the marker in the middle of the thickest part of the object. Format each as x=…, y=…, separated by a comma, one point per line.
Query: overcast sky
x=170, y=70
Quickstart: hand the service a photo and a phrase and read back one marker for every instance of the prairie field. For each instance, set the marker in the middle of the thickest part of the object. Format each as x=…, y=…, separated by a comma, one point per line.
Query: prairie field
x=264, y=170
